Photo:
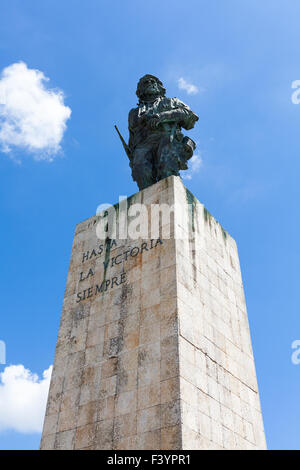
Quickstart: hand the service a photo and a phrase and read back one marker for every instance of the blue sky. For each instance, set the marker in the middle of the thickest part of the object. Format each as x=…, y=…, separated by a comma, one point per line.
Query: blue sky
x=243, y=58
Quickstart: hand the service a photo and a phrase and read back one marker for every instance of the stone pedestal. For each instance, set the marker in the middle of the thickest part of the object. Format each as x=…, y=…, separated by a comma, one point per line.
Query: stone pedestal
x=154, y=350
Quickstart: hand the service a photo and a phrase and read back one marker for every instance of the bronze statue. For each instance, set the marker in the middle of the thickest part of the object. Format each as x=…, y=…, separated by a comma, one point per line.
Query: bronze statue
x=157, y=148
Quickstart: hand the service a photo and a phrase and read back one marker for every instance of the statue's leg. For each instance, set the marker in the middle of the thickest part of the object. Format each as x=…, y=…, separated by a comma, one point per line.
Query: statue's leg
x=168, y=158
x=142, y=167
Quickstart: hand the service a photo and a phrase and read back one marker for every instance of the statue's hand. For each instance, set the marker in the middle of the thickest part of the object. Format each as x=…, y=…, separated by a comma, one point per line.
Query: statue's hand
x=154, y=121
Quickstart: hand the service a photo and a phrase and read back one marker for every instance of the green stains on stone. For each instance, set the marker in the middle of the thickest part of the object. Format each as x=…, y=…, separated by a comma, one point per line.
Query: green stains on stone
x=192, y=204
x=130, y=201
x=208, y=218
x=107, y=257
x=224, y=233
x=192, y=201
x=116, y=207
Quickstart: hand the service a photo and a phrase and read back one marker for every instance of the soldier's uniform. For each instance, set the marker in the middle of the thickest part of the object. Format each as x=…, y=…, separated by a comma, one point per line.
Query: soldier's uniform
x=161, y=151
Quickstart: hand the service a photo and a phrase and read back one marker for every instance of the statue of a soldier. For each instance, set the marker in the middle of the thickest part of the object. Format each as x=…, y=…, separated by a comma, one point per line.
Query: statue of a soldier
x=157, y=148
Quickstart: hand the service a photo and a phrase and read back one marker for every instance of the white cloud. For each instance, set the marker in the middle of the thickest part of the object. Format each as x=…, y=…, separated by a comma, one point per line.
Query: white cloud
x=23, y=398
x=32, y=117
x=194, y=164
x=188, y=87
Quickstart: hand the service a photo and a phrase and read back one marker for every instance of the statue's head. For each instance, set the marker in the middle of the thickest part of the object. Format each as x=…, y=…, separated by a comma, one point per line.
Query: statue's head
x=149, y=88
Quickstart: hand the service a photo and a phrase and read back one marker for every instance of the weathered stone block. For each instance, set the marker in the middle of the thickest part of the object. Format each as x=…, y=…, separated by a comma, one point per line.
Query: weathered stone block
x=154, y=350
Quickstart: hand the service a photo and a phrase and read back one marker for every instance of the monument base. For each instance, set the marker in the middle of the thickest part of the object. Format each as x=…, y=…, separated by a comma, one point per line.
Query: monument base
x=154, y=350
